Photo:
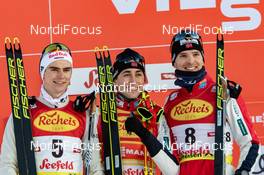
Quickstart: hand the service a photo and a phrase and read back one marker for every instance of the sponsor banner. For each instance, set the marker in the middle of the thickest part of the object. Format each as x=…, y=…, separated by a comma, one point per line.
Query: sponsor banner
x=84, y=81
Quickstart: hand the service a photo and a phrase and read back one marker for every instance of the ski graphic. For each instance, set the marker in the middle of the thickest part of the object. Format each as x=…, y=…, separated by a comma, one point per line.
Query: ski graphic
x=219, y=162
x=112, y=156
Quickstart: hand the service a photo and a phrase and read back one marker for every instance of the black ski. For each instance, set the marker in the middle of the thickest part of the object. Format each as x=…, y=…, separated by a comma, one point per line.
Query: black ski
x=20, y=108
x=112, y=156
x=219, y=162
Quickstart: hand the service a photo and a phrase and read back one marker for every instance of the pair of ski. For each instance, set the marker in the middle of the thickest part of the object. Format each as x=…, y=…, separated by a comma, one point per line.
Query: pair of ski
x=20, y=107
x=222, y=94
x=109, y=123
x=221, y=89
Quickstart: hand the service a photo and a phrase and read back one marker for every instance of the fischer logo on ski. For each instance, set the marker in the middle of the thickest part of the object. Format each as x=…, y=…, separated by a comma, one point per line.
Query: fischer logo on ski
x=20, y=107
x=112, y=156
x=219, y=162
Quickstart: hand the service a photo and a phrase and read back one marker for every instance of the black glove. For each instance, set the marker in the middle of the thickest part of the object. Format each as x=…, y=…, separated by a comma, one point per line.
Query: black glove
x=82, y=103
x=152, y=144
x=234, y=89
x=133, y=124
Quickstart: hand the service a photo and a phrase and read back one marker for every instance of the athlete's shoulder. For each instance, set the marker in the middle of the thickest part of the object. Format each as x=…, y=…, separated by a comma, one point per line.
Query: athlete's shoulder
x=172, y=96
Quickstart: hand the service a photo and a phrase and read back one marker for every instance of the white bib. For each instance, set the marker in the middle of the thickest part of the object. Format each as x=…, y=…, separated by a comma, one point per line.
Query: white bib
x=58, y=155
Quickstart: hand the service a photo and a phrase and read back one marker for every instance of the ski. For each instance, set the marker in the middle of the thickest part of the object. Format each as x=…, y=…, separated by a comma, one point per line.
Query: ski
x=20, y=108
x=109, y=124
x=219, y=161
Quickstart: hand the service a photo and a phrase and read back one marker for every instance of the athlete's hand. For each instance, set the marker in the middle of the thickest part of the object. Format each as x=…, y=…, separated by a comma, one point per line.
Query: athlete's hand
x=133, y=124
x=231, y=88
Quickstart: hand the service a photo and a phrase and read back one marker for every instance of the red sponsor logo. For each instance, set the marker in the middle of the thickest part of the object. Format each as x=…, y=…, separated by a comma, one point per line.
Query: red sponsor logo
x=55, y=119
x=57, y=54
x=189, y=154
x=134, y=64
x=77, y=150
x=211, y=134
x=189, y=45
x=192, y=109
x=59, y=165
x=132, y=152
x=167, y=76
x=131, y=171
x=92, y=79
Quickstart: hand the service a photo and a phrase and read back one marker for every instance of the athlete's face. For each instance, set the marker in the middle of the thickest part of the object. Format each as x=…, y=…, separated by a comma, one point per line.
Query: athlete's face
x=57, y=77
x=130, y=82
x=189, y=60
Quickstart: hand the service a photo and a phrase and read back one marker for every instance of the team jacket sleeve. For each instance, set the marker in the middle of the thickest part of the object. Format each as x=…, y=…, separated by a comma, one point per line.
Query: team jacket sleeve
x=96, y=165
x=166, y=162
x=243, y=133
x=8, y=157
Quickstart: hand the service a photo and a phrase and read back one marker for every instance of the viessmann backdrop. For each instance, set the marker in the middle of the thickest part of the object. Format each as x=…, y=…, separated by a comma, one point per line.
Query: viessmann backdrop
x=146, y=26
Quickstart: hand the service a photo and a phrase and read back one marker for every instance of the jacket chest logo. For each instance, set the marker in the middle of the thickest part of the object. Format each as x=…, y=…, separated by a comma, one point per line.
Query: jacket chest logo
x=56, y=121
x=191, y=109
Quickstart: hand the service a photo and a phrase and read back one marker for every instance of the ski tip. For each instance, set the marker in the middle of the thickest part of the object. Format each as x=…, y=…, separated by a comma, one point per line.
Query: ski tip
x=7, y=40
x=106, y=51
x=105, y=47
x=220, y=34
x=96, y=49
x=8, y=44
x=16, y=40
x=16, y=43
x=97, y=52
x=220, y=31
x=220, y=37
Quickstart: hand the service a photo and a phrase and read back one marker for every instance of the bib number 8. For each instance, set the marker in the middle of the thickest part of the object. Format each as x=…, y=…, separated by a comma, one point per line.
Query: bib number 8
x=190, y=138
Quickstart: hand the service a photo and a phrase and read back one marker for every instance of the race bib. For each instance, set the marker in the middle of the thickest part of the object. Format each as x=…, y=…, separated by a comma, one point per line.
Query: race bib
x=194, y=141
x=58, y=155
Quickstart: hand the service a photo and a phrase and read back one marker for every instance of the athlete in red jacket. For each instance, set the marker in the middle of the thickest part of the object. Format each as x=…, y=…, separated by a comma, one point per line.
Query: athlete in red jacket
x=190, y=114
x=60, y=132
x=129, y=78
